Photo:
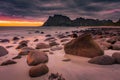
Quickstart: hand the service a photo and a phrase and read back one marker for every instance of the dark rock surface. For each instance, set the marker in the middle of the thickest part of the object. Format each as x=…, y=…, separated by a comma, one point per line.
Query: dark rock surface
x=38, y=70
x=3, y=51
x=84, y=46
x=102, y=60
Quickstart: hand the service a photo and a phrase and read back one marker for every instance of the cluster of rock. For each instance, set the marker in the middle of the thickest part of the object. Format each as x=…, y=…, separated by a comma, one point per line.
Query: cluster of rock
x=107, y=38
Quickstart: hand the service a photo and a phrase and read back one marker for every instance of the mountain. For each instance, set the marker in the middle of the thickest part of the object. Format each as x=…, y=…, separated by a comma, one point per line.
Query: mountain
x=117, y=23
x=61, y=20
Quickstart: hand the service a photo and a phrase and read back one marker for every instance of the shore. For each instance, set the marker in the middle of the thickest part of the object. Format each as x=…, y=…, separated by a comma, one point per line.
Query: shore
x=76, y=69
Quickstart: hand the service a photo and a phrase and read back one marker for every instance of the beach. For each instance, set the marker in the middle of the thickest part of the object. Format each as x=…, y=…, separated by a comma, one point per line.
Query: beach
x=77, y=68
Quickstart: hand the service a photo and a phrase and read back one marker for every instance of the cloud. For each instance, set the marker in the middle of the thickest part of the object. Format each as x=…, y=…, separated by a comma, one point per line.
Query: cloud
x=41, y=9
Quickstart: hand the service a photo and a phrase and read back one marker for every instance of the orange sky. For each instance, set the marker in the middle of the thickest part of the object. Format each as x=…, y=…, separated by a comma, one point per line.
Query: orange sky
x=20, y=23
x=8, y=21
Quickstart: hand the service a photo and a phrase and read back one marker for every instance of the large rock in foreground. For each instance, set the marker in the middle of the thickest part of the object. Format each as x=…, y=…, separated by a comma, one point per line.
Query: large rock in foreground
x=84, y=46
x=102, y=60
x=36, y=57
x=38, y=70
x=3, y=51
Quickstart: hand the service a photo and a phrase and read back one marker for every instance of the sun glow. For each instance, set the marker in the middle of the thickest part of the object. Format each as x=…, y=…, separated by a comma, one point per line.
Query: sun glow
x=20, y=23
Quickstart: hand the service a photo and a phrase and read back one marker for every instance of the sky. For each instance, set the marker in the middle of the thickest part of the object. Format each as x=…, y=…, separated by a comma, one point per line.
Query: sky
x=36, y=12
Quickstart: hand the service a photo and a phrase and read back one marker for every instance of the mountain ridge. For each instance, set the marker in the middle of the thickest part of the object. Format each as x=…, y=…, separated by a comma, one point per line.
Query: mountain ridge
x=61, y=20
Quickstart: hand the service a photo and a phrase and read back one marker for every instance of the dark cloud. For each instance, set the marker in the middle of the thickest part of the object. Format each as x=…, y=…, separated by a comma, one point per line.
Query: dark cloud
x=41, y=9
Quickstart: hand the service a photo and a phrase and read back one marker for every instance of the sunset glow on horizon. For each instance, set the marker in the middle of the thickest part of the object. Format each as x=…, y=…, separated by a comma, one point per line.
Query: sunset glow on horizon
x=20, y=23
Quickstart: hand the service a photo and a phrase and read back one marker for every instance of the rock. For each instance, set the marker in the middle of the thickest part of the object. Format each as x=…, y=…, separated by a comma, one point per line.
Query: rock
x=74, y=35
x=36, y=40
x=102, y=60
x=60, y=36
x=21, y=46
x=116, y=56
x=4, y=40
x=45, y=50
x=56, y=76
x=36, y=57
x=25, y=50
x=15, y=38
x=42, y=32
x=3, y=51
x=53, y=44
x=66, y=60
x=111, y=40
x=84, y=46
x=50, y=39
x=48, y=35
x=54, y=48
x=37, y=31
x=9, y=46
x=51, y=53
x=8, y=62
x=104, y=45
x=53, y=76
x=64, y=40
x=38, y=70
x=17, y=57
x=116, y=46
x=24, y=42
x=42, y=46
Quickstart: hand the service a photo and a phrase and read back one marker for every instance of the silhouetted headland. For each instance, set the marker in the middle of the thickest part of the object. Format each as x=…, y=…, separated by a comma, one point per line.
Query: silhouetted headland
x=61, y=20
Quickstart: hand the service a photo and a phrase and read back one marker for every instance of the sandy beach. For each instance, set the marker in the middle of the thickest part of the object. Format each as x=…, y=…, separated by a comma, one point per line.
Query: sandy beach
x=77, y=68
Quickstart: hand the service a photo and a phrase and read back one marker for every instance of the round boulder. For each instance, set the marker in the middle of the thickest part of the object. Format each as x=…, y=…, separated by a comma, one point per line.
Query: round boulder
x=102, y=60
x=36, y=57
x=38, y=70
x=42, y=46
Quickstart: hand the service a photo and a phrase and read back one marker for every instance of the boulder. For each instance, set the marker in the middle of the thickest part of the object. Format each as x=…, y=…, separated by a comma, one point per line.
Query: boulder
x=21, y=46
x=36, y=57
x=8, y=62
x=64, y=40
x=84, y=46
x=111, y=40
x=4, y=40
x=54, y=48
x=116, y=56
x=53, y=43
x=15, y=38
x=25, y=50
x=9, y=46
x=42, y=46
x=3, y=51
x=116, y=46
x=24, y=42
x=36, y=40
x=102, y=60
x=50, y=39
x=17, y=57
x=38, y=70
